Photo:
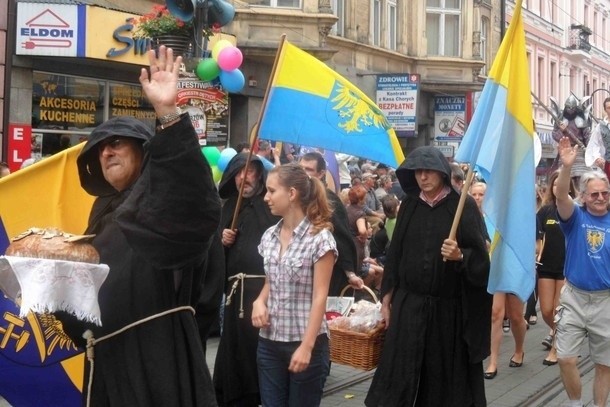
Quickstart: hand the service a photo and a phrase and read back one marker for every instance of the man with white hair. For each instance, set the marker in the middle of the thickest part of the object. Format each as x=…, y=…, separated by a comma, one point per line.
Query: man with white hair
x=584, y=303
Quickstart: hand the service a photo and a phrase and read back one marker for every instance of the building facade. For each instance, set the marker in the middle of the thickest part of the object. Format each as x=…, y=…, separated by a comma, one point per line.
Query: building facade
x=446, y=45
x=569, y=53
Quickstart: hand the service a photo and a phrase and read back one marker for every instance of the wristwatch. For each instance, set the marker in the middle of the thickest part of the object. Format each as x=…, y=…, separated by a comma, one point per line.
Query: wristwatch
x=168, y=118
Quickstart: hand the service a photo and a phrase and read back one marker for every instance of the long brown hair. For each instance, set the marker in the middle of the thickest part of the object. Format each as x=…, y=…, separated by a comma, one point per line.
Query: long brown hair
x=311, y=192
x=549, y=196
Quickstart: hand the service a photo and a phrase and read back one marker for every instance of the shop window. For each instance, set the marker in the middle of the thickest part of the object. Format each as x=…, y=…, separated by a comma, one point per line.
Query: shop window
x=65, y=109
x=67, y=102
x=128, y=100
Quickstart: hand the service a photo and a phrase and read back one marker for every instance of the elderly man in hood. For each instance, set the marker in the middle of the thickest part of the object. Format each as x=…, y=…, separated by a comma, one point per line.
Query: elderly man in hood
x=435, y=301
x=155, y=212
x=235, y=369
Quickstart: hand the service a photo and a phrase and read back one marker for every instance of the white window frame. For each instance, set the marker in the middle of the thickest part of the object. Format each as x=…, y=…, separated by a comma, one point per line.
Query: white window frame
x=484, y=31
x=392, y=24
x=338, y=7
x=376, y=22
x=273, y=3
x=443, y=12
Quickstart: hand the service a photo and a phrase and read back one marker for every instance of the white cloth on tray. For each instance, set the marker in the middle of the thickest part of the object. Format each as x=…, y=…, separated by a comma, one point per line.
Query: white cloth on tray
x=53, y=285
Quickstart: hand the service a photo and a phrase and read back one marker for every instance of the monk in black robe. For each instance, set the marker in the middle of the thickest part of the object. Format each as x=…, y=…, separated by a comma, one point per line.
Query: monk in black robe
x=235, y=368
x=435, y=300
x=155, y=213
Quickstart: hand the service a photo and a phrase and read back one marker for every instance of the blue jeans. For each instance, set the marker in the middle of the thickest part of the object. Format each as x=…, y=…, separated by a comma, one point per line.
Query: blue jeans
x=281, y=388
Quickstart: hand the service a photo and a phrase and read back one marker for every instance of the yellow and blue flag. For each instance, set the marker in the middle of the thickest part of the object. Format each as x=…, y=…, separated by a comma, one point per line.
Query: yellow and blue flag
x=310, y=104
x=499, y=143
x=39, y=363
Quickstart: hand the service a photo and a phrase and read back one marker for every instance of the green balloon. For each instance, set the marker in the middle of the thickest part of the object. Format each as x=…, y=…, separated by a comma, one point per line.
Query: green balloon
x=207, y=69
x=212, y=154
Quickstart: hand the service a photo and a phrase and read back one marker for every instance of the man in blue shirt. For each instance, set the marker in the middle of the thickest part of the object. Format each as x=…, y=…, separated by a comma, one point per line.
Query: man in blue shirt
x=585, y=300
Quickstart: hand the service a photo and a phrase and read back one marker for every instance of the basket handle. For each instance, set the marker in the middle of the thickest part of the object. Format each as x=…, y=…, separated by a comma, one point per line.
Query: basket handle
x=371, y=292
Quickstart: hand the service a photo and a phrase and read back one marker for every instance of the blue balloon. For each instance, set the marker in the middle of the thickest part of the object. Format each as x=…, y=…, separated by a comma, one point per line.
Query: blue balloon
x=233, y=81
x=225, y=157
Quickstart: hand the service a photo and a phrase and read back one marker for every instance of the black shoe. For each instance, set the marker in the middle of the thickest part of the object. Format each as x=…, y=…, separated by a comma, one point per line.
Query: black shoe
x=547, y=362
x=512, y=363
x=547, y=342
x=491, y=375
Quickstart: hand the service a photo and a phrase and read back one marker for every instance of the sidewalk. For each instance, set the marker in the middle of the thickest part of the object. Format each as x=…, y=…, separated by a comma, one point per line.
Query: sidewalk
x=511, y=387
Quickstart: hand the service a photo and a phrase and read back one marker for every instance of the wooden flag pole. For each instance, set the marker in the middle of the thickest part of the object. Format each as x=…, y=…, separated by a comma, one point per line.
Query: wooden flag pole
x=460, y=208
x=256, y=126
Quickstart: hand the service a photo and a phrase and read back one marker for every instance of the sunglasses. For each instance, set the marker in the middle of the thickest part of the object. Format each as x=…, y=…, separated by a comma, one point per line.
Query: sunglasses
x=115, y=143
x=596, y=195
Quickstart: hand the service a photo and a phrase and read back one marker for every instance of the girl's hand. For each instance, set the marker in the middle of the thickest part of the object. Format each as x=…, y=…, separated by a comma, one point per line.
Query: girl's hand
x=260, y=314
x=386, y=307
x=300, y=359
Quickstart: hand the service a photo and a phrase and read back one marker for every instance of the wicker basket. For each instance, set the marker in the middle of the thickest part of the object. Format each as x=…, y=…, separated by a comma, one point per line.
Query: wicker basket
x=359, y=350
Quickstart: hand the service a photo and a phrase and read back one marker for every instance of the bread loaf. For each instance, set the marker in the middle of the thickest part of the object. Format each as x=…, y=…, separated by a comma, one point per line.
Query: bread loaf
x=53, y=244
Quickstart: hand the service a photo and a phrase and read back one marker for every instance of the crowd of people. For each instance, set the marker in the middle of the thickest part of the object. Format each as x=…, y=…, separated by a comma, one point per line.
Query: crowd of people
x=266, y=246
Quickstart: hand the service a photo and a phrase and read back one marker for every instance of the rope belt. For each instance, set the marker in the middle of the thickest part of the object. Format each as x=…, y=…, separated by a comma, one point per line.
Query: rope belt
x=91, y=341
x=240, y=277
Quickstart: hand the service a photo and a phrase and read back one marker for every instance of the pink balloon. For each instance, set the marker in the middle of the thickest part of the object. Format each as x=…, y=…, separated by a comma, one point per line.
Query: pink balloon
x=230, y=58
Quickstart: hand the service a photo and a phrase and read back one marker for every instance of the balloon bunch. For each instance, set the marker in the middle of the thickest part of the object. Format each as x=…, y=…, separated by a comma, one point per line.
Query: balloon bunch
x=218, y=160
x=224, y=64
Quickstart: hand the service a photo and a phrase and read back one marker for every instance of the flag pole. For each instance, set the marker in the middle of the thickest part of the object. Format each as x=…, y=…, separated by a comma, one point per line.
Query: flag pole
x=256, y=127
x=462, y=201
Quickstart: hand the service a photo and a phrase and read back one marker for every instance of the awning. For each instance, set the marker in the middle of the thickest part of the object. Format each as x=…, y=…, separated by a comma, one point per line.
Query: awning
x=547, y=138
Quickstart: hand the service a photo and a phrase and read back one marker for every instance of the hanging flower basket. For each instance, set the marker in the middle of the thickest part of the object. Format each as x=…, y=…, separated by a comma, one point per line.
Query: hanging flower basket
x=181, y=44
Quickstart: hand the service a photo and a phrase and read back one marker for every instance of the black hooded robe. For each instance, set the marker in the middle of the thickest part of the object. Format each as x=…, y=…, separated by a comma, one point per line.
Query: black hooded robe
x=235, y=368
x=154, y=236
x=440, y=319
x=346, y=260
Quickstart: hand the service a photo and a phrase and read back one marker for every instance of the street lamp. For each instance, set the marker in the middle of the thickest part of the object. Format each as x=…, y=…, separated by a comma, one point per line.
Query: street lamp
x=592, y=100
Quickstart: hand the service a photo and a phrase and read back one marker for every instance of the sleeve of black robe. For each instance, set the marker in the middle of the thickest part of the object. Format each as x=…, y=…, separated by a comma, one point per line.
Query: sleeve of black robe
x=477, y=302
x=347, y=259
x=174, y=208
x=471, y=240
x=390, y=270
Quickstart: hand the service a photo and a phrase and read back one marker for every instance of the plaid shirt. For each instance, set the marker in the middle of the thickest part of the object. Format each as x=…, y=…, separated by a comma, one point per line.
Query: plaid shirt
x=291, y=279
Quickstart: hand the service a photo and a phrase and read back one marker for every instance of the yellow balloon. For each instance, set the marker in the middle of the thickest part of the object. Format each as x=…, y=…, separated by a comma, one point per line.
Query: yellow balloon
x=216, y=174
x=219, y=46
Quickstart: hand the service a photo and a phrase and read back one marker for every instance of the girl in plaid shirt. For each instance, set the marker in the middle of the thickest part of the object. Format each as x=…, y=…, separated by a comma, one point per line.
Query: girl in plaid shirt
x=299, y=253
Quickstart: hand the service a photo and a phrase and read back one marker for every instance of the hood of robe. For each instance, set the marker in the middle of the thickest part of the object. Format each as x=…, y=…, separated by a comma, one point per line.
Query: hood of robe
x=422, y=158
x=89, y=169
x=227, y=187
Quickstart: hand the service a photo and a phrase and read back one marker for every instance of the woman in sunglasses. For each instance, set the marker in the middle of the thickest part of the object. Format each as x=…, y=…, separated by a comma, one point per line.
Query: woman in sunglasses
x=584, y=303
